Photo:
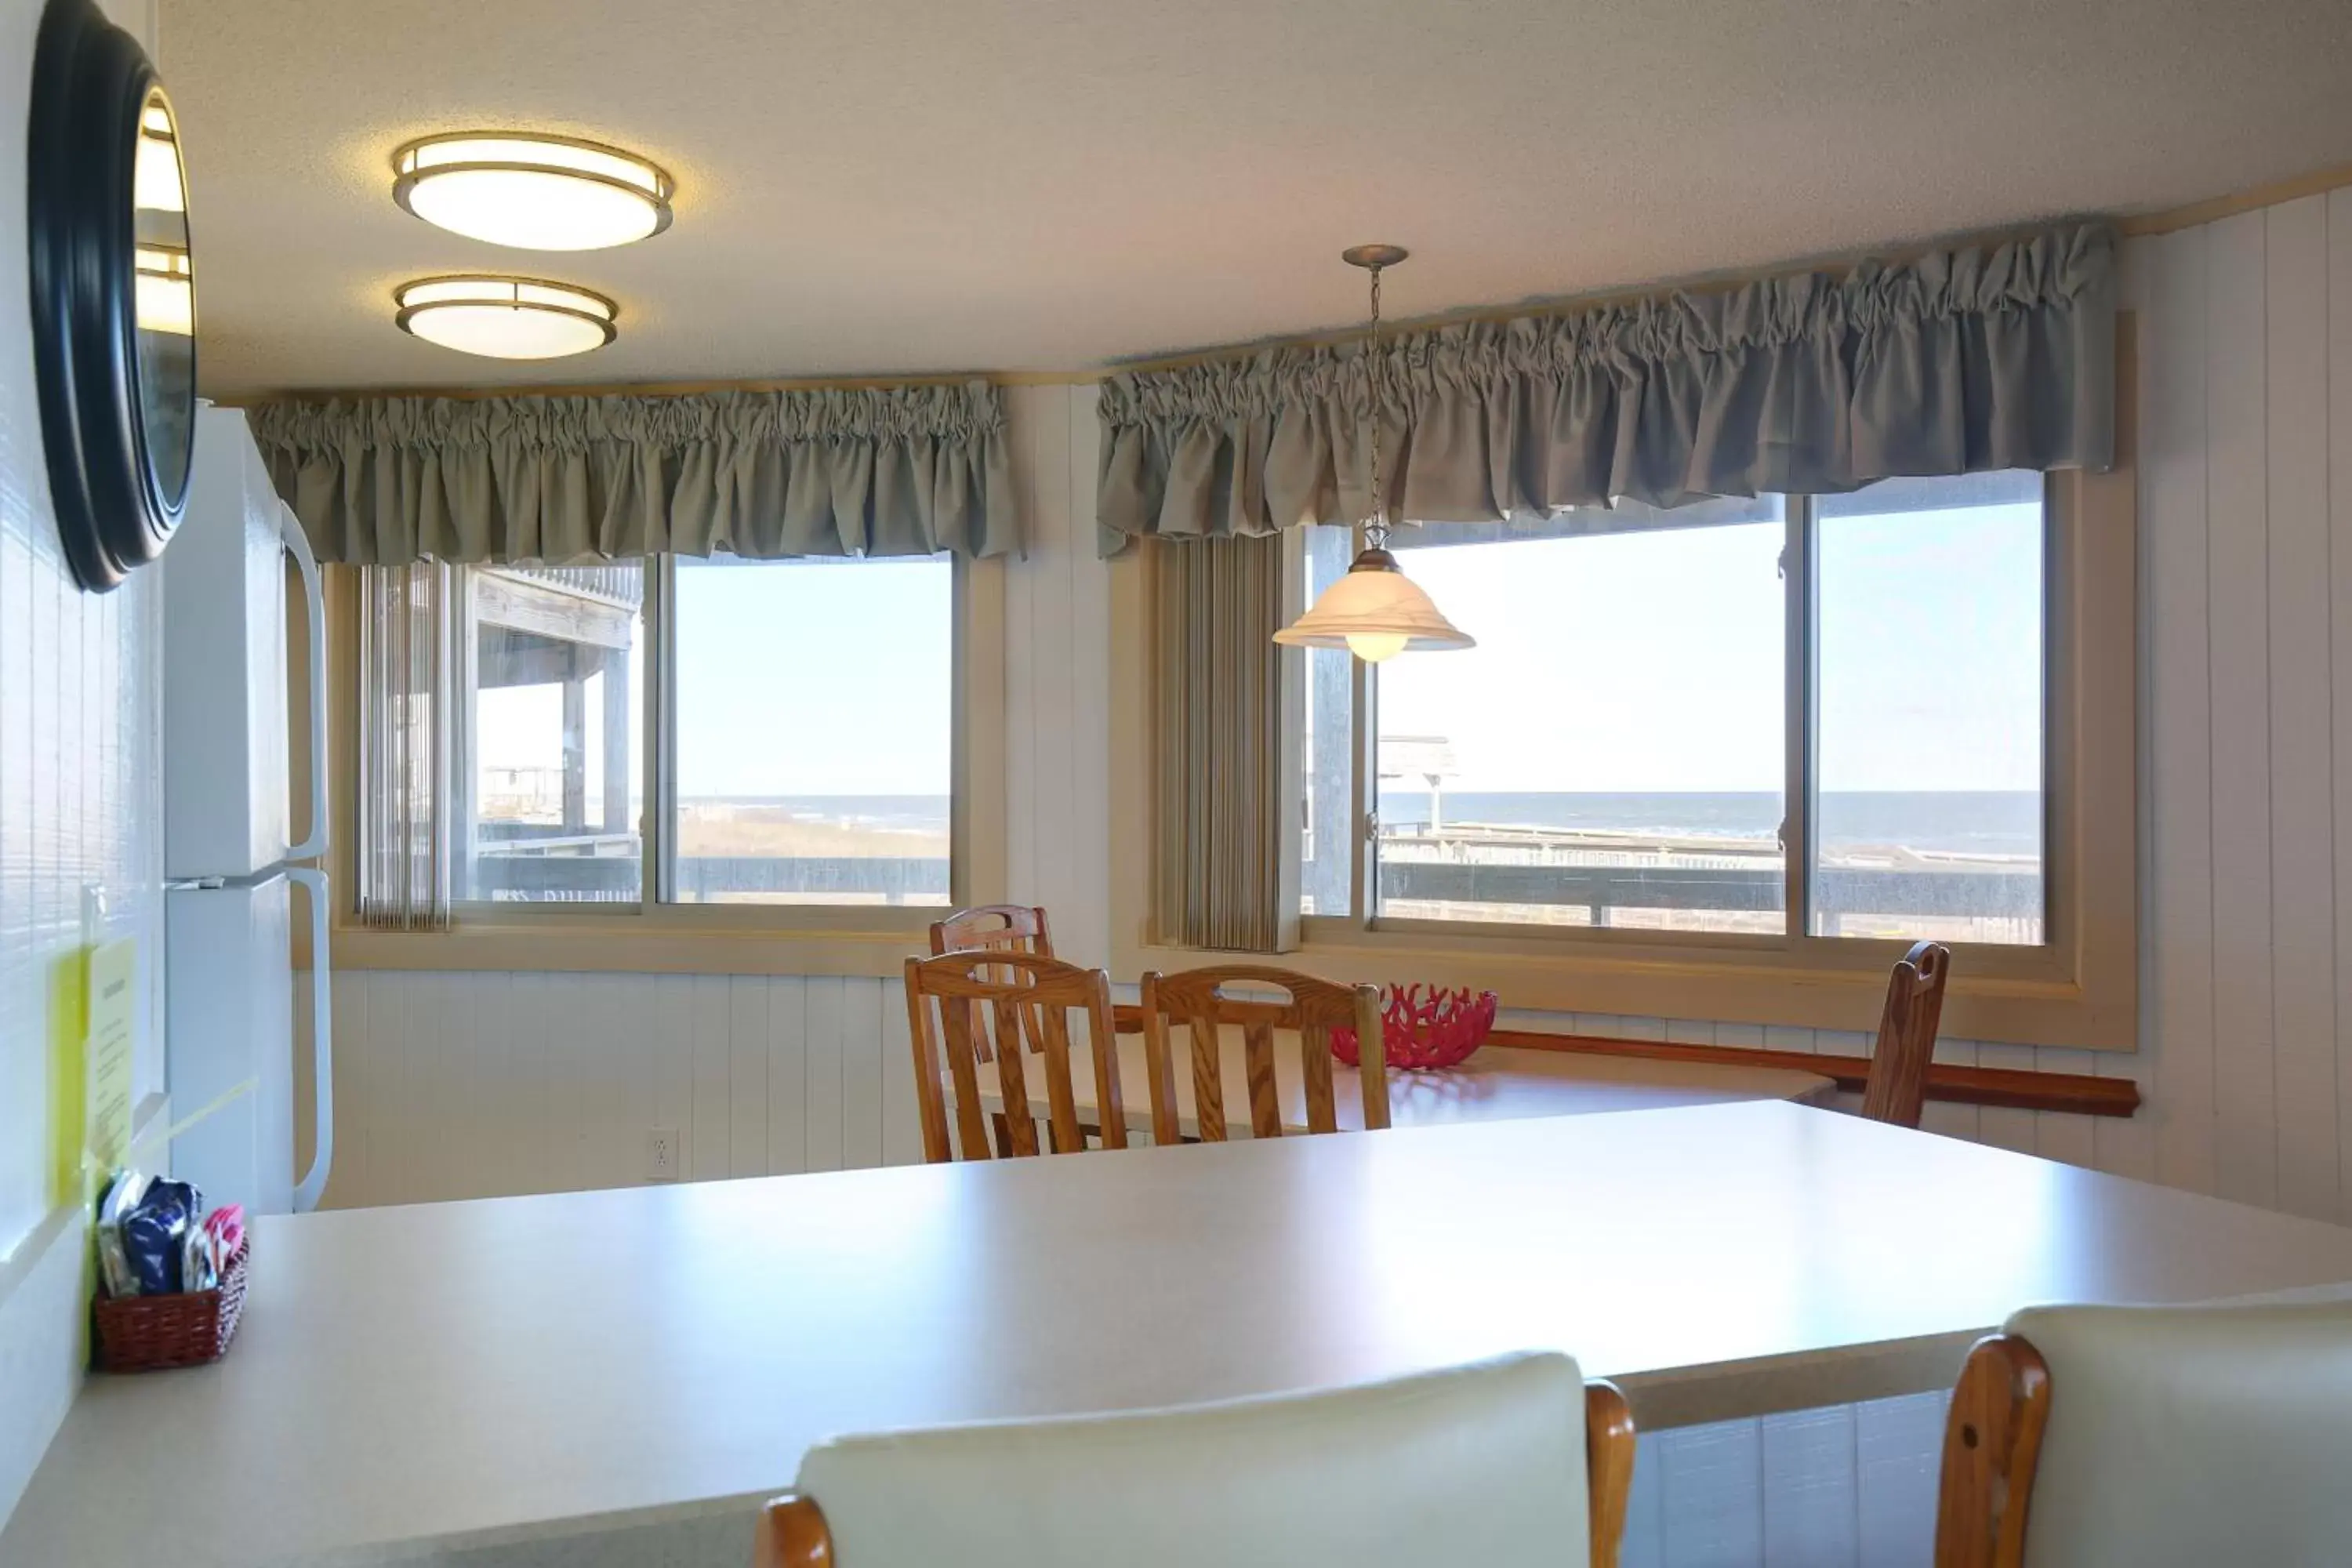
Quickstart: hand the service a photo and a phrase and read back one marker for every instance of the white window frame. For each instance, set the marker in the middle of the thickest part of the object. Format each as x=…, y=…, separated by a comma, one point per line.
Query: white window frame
x=2077, y=989
x=653, y=935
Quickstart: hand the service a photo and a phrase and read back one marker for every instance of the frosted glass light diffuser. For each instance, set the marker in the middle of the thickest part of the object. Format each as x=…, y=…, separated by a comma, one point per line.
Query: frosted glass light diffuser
x=1375, y=612
x=534, y=193
x=505, y=318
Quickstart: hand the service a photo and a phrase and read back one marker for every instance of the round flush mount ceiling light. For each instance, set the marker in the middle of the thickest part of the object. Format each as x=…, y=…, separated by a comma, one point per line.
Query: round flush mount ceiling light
x=505, y=318
x=534, y=192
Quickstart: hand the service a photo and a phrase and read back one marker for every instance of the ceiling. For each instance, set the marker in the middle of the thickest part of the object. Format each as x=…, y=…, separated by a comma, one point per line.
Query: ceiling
x=884, y=186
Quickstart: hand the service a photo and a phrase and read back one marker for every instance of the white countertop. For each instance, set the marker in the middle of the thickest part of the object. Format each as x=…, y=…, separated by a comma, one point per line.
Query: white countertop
x=467, y=1372
x=1498, y=1083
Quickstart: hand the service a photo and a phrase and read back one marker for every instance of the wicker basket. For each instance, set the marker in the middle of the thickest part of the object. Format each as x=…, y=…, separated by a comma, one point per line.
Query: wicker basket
x=147, y=1334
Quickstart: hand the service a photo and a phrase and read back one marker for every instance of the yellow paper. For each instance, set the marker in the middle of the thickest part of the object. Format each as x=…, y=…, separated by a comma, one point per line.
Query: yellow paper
x=69, y=1080
x=113, y=997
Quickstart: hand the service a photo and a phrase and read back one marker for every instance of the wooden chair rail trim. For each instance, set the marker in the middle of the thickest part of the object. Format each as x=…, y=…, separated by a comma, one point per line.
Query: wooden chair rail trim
x=2008, y=1089
x=2004, y=1088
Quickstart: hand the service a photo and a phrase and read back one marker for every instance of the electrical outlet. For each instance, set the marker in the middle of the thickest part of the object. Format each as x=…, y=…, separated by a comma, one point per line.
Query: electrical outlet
x=661, y=1155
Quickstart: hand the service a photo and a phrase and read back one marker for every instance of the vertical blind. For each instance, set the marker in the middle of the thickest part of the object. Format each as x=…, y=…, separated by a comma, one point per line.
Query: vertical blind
x=1217, y=850
x=409, y=625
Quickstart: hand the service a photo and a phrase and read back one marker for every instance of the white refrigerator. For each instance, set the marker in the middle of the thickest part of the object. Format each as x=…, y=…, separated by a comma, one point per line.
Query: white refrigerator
x=228, y=853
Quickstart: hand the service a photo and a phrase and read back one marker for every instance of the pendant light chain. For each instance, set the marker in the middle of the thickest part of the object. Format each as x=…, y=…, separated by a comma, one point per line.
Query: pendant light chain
x=1376, y=528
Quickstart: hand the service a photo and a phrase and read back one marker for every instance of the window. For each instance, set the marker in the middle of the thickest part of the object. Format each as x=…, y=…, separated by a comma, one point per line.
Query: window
x=1656, y=713
x=547, y=804
x=831, y=786
x=792, y=723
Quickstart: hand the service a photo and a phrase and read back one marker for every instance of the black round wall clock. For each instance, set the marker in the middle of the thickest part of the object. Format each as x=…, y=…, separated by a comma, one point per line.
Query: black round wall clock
x=114, y=304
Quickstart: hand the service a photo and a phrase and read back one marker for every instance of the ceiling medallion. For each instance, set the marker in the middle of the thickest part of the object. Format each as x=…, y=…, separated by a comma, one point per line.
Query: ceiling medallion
x=505, y=318
x=531, y=192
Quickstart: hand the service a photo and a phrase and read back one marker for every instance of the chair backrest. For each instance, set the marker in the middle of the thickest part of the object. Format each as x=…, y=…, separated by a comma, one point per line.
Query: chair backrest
x=1313, y=1007
x=1898, y=1087
x=2152, y=1438
x=955, y=1002
x=993, y=927
x=1506, y=1463
x=1017, y=928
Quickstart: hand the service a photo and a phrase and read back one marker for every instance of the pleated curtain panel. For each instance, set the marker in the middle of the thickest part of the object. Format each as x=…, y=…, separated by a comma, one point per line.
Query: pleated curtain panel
x=1956, y=362
x=906, y=470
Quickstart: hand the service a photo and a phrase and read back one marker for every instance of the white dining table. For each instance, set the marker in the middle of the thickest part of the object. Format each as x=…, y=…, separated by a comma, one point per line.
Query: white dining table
x=1497, y=1083
x=421, y=1381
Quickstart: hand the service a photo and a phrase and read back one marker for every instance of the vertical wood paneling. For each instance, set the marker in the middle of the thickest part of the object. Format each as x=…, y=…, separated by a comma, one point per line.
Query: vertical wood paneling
x=713, y=1132
x=822, y=1110
x=2237, y=554
x=2301, y=762
x=1897, y=1442
x=2178, y=788
x=787, y=1075
x=902, y=1133
x=861, y=1074
x=747, y=1075
x=1711, y=1484
x=2339, y=574
x=1811, y=1510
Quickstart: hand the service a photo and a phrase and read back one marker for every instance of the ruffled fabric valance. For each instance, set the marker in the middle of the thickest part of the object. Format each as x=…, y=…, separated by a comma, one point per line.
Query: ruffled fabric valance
x=906, y=470
x=1958, y=363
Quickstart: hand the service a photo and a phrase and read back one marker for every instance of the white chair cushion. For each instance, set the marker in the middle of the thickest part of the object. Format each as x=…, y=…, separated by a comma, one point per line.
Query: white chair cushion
x=2193, y=1436
x=1483, y=1465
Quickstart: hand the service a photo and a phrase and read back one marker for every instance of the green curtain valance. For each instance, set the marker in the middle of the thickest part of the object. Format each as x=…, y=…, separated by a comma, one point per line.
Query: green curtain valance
x=903, y=471
x=1957, y=362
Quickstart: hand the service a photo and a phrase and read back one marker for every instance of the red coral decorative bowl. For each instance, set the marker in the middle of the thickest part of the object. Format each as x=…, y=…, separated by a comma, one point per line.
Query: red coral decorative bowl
x=1427, y=1027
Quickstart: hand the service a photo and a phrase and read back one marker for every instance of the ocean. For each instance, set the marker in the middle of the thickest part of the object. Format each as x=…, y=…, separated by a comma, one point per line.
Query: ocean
x=1952, y=821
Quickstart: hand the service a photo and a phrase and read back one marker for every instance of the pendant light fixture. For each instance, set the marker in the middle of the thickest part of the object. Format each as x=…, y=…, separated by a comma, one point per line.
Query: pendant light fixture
x=1375, y=612
x=534, y=192
x=505, y=318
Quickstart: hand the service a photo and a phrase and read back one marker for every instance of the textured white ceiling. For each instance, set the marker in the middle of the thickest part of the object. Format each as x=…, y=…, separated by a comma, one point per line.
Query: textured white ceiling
x=889, y=185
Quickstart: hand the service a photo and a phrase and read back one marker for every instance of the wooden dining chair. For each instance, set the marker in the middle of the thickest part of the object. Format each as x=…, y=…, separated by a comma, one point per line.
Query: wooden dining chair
x=993, y=927
x=2152, y=1438
x=1013, y=928
x=1506, y=1463
x=959, y=1002
x=1896, y=1089
x=1198, y=1000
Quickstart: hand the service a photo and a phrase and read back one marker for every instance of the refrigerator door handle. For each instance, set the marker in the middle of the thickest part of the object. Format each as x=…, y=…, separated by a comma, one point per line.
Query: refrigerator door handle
x=314, y=599
x=322, y=1044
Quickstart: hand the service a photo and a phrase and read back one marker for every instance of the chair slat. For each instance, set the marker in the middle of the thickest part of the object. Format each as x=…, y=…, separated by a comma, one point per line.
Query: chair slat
x=1061, y=1104
x=1012, y=1081
x=1315, y=1067
x=1102, y=1035
x=971, y=1128
x=1208, y=1078
x=1265, y=1095
x=1159, y=1070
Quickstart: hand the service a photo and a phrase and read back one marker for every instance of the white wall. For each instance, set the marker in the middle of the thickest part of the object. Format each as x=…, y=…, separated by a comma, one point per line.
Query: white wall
x=79, y=807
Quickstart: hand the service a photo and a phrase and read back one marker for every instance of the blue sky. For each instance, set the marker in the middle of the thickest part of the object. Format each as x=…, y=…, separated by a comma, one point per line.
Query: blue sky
x=1653, y=661
x=795, y=677
x=1628, y=662
x=816, y=677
